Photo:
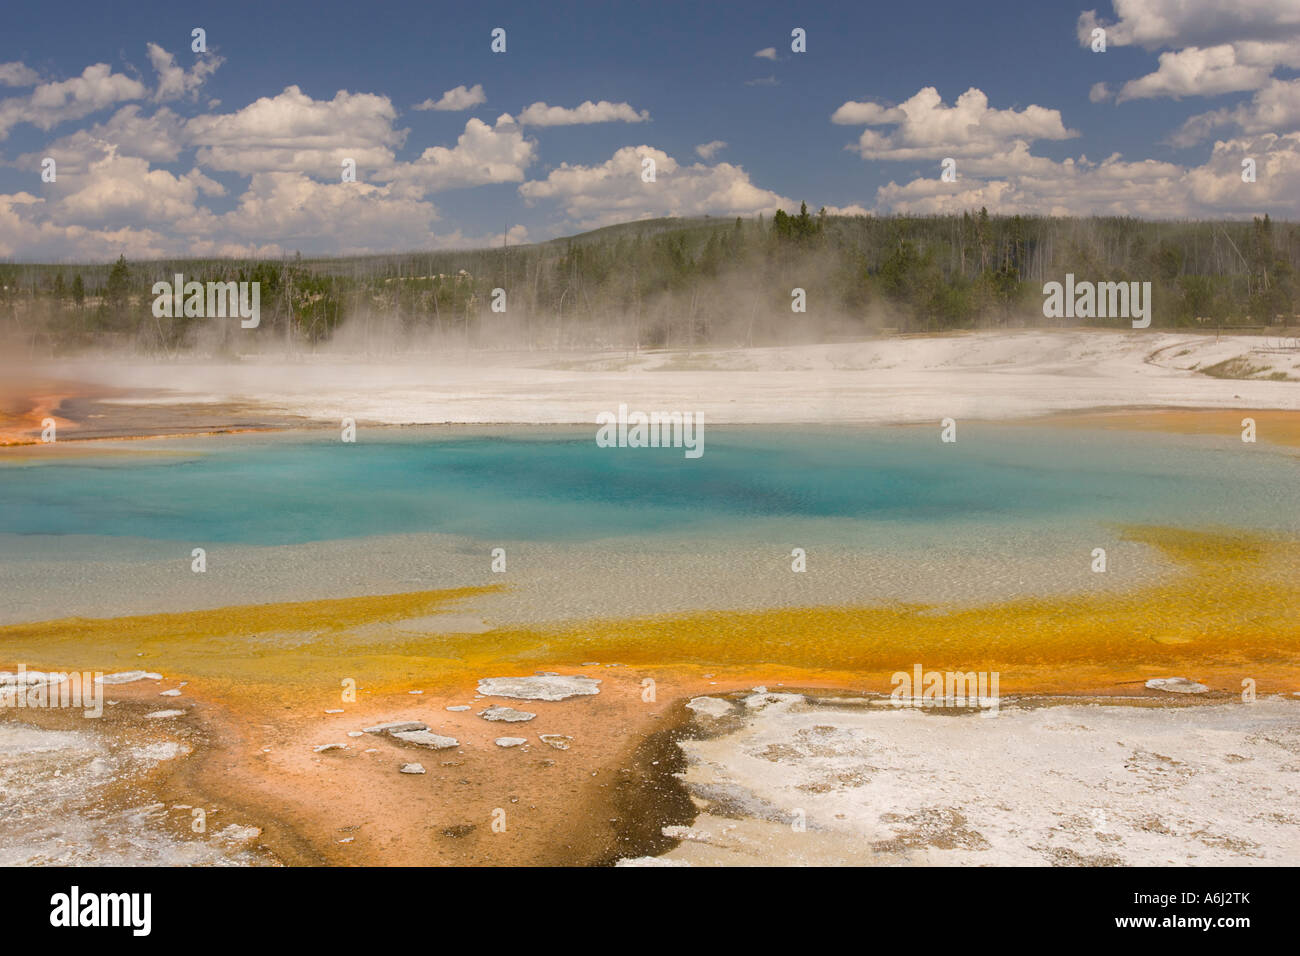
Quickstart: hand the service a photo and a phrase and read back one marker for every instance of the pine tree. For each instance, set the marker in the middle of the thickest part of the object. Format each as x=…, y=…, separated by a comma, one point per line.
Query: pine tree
x=115, y=308
x=119, y=283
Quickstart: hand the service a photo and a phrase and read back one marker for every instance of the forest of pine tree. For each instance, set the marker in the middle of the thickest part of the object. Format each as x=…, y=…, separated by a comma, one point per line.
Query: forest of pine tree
x=680, y=283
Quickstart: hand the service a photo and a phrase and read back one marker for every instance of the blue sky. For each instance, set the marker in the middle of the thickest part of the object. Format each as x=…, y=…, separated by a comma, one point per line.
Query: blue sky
x=187, y=165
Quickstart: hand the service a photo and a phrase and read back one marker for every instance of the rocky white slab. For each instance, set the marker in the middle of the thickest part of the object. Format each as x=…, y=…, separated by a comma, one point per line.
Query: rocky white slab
x=709, y=706
x=396, y=727
x=539, y=687
x=423, y=738
x=1176, y=685
x=127, y=677
x=506, y=713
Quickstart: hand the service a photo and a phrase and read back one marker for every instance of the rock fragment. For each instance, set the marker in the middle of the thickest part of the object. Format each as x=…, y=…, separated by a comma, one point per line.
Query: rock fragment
x=709, y=706
x=127, y=677
x=397, y=727
x=1176, y=685
x=423, y=738
x=506, y=713
x=539, y=687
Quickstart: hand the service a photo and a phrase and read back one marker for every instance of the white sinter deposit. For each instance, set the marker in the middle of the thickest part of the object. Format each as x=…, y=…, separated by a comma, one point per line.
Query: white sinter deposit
x=792, y=782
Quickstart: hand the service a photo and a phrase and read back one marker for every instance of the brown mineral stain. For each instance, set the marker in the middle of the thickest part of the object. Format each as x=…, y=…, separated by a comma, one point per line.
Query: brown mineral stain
x=1272, y=426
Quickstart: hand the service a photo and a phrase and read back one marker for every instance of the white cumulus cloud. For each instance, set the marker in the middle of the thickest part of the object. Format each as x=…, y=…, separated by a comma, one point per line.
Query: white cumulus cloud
x=460, y=98
x=539, y=114
x=925, y=128
x=175, y=82
x=482, y=155
x=292, y=132
x=613, y=191
x=50, y=104
x=18, y=74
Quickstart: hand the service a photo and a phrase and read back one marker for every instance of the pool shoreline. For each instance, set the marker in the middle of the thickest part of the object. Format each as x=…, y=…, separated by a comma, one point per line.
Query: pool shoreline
x=1278, y=425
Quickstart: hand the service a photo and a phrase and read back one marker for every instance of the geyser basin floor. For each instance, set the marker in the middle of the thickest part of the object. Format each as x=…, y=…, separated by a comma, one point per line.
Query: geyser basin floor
x=1045, y=783
x=263, y=679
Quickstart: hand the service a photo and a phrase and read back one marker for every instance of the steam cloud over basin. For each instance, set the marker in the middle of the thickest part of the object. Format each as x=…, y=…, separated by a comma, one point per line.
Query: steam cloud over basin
x=988, y=375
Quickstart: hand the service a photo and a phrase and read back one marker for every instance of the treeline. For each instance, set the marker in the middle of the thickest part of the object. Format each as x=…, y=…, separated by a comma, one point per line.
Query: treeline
x=682, y=283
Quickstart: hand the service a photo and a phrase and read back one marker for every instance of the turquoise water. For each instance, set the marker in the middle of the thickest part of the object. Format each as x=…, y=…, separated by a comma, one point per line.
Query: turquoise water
x=865, y=486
